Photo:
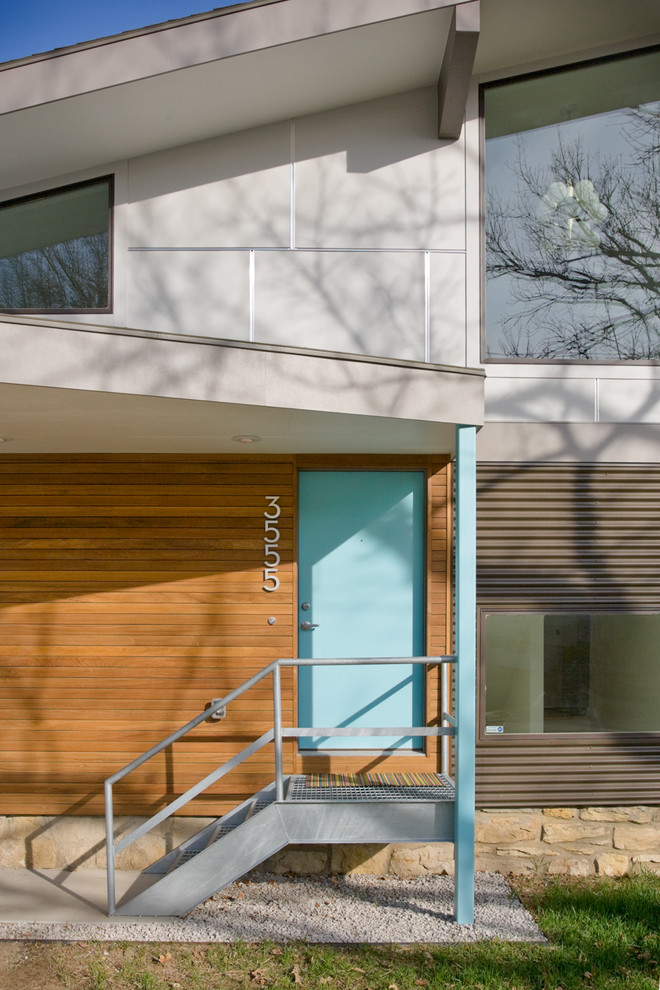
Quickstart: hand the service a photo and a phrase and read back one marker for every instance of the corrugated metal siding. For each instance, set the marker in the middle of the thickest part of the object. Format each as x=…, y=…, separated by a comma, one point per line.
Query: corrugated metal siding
x=568, y=536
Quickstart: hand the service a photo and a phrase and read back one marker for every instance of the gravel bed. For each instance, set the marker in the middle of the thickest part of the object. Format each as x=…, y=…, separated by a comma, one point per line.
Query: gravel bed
x=320, y=909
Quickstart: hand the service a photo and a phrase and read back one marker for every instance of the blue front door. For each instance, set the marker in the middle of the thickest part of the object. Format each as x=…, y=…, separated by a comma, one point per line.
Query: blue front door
x=361, y=586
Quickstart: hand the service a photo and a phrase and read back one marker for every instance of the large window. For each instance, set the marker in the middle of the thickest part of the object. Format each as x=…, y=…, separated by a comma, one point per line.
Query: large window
x=55, y=250
x=573, y=213
x=571, y=672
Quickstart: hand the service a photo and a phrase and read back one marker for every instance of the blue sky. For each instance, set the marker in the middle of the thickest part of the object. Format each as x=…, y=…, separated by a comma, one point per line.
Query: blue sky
x=32, y=26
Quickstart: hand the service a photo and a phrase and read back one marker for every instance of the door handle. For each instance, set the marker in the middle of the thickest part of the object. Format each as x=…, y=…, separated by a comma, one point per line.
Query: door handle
x=305, y=624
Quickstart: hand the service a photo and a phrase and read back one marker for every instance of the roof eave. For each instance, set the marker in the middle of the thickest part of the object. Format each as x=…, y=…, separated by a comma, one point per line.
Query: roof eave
x=234, y=69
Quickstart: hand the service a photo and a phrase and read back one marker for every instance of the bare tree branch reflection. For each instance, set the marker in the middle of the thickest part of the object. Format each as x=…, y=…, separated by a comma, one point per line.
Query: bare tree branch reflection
x=68, y=275
x=580, y=247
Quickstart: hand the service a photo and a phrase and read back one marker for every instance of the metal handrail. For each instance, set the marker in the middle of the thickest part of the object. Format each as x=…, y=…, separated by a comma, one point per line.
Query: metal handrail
x=275, y=735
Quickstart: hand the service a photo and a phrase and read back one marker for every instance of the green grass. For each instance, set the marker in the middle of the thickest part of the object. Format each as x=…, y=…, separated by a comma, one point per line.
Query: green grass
x=602, y=934
x=98, y=977
x=609, y=929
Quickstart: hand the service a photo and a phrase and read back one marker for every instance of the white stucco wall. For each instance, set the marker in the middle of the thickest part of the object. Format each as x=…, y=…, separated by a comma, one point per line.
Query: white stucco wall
x=342, y=231
x=353, y=230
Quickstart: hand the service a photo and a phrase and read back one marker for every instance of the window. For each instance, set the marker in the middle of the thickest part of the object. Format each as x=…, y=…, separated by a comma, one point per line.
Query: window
x=571, y=672
x=573, y=213
x=55, y=250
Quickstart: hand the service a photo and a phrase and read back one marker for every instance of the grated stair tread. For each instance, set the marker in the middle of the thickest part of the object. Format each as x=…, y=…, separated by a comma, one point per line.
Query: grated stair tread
x=191, y=851
x=301, y=790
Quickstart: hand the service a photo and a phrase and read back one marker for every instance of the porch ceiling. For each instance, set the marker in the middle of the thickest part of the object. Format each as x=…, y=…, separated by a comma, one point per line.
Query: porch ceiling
x=70, y=389
x=216, y=73
x=49, y=420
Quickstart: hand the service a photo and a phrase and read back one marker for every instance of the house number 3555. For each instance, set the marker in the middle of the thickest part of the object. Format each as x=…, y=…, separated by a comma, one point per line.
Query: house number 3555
x=271, y=543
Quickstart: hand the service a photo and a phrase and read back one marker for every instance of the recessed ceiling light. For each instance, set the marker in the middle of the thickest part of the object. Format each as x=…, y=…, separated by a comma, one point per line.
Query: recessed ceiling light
x=246, y=438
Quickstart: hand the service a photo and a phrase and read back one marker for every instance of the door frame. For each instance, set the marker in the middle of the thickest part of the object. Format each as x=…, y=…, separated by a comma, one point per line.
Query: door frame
x=437, y=607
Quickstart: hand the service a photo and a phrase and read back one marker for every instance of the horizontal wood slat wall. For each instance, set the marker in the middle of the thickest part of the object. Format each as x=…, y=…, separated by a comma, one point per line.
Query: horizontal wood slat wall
x=568, y=536
x=130, y=595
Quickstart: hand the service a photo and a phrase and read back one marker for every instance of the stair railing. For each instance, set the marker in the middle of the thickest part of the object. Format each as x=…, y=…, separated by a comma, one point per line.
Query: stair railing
x=275, y=735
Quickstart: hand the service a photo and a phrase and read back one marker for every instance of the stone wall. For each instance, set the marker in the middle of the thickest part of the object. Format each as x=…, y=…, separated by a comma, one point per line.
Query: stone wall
x=570, y=841
x=75, y=843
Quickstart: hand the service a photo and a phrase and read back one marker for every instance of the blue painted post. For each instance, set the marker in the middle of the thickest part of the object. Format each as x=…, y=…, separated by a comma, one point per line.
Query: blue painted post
x=466, y=609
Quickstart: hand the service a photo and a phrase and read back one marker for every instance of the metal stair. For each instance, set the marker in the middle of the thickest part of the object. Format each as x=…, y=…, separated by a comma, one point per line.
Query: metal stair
x=213, y=832
x=295, y=810
x=241, y=840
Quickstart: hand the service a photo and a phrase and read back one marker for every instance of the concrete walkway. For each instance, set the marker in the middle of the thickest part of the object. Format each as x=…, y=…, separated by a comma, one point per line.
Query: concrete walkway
x=62, y=897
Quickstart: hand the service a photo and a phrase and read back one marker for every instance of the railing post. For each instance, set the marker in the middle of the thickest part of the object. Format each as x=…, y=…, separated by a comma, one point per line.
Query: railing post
x=465, y=711
x=110, y=848
x=277, y=730
x=445, y=672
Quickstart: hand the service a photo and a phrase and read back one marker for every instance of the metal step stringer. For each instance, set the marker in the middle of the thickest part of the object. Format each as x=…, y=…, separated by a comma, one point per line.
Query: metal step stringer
x=227, y=849
x=226, y=859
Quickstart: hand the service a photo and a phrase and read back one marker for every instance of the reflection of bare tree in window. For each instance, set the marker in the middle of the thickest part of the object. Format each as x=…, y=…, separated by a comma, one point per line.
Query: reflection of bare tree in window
x=580, y=249
x=69, y=275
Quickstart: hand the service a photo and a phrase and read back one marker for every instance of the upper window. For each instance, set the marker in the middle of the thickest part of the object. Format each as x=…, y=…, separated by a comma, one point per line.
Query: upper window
x=55, y=250
x=573, y=213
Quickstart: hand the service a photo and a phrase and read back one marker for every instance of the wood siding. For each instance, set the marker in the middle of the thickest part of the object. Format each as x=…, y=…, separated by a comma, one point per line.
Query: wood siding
x=131, y=593
x=575, y=538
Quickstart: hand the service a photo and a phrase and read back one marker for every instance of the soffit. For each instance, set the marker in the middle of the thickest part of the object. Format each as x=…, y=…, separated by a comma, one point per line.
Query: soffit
x=55, y=420
x=515, y=34
x=185, y=81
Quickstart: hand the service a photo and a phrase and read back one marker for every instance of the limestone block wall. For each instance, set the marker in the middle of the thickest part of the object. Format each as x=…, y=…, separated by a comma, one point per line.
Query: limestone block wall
x=555, y=841
x=65, y=842
x=571, y=841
